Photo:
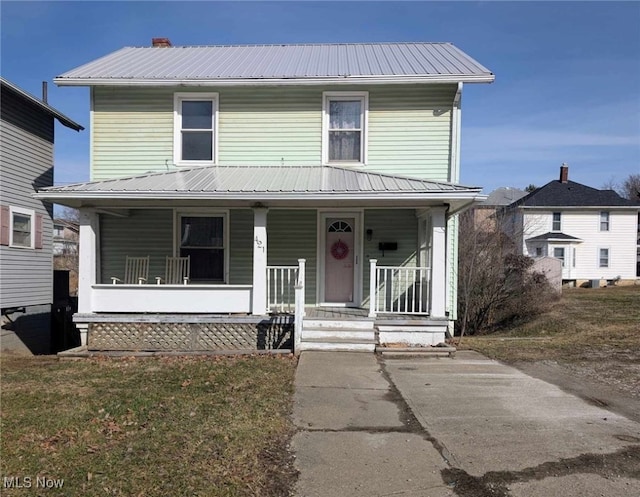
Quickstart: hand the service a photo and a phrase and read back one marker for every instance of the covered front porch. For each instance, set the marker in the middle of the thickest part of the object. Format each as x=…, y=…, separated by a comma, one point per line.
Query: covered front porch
x=377, y=249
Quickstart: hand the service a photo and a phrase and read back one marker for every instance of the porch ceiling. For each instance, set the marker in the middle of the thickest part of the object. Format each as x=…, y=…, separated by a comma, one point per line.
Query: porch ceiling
x=276, y=185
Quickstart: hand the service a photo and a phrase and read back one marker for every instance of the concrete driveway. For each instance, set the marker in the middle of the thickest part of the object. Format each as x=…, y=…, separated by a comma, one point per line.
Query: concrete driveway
x=463, y=426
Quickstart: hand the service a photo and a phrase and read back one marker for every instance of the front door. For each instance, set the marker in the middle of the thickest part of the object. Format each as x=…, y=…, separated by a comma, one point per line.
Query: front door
x=339, y=260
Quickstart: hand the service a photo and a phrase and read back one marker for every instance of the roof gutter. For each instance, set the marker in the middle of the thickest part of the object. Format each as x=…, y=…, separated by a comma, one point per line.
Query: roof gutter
x=345, y=80
x=473, y=195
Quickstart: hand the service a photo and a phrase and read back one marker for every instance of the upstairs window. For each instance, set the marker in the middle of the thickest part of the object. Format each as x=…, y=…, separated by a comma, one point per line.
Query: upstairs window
x=195, y=137
x=557, y=222
x=344, y=122
x=604, y=221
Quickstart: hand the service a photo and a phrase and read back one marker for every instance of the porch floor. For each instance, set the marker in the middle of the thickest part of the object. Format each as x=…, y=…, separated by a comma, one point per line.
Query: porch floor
x=359, y=313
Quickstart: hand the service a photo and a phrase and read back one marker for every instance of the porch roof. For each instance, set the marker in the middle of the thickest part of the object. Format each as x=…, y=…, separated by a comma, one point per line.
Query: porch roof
x=554, y=237
x=261, y=183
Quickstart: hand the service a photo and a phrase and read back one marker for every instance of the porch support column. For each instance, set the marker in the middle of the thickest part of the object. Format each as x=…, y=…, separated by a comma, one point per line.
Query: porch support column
x=259, y=301
x=87, y=263
x=438, y=262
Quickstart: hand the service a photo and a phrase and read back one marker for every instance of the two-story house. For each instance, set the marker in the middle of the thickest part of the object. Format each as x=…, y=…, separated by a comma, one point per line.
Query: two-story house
x=593, y=232
x=328, y=171
x=26, y=224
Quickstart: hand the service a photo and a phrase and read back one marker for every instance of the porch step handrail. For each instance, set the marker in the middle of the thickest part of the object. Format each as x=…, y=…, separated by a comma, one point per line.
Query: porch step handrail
x=399, y=289
x=281, y=282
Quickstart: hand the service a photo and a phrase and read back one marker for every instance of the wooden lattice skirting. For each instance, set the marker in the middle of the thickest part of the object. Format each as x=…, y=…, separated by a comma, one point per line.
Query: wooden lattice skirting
x=181, y=336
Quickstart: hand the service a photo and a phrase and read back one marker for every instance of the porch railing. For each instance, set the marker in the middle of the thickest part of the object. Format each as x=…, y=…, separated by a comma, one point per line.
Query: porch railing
x=398, y=289
x=281, y=282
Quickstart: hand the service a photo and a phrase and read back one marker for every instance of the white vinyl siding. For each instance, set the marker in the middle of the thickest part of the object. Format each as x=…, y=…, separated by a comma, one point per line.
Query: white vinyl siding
x=584, y=224
x=408, y=128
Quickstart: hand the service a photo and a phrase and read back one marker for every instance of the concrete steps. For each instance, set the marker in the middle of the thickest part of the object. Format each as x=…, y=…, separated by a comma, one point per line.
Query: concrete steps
x=346, y=335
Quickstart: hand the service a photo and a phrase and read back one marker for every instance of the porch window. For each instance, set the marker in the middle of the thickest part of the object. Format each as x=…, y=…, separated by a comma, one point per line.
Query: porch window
x=22, y=228
x=344, y=119
x=603, y=260
x=558, y=253
x=195, y=118
x=604, y=221
x=557, y=222
x=202, y=238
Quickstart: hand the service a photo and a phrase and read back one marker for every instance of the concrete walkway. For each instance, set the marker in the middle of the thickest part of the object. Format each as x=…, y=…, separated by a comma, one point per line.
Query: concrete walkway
x=465, y=426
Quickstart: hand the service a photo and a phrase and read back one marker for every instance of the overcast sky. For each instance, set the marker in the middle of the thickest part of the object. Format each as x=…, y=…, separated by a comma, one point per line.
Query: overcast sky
x=567, y=83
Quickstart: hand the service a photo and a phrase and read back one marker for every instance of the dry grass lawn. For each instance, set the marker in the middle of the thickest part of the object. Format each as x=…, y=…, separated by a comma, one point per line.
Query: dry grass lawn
x=148, y=427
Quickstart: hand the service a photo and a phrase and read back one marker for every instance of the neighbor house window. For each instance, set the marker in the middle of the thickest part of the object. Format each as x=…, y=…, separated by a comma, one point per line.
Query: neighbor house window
x=604, y=221
x=22, y=228
x=557, y=221
x=558, y=253
x=195, y=116
x=344, y=122
x=603, y=257
x=203, y=238
x=538, y=251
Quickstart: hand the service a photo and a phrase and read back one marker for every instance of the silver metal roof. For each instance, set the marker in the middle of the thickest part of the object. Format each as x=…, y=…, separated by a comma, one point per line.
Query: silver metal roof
x=263, y=63
x=4, y=83
x=260, y=182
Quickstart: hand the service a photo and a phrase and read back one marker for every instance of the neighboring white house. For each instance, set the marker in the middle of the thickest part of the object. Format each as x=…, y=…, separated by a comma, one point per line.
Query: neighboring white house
x=593, y=232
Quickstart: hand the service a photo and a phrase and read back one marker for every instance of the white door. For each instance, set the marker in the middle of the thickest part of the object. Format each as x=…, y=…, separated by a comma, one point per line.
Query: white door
x=339, y=260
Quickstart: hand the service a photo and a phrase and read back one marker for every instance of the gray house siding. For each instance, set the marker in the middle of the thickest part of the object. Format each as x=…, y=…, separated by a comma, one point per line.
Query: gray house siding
x=26, y=164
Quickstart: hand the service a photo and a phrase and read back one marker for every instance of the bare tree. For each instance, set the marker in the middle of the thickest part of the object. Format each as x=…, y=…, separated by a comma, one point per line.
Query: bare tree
x=495, y=282
x=629, y=188
x=66, y=257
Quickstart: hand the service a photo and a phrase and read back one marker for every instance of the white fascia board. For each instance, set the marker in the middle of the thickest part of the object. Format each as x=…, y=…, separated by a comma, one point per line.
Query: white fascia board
x=347, y=80
x=444, y=196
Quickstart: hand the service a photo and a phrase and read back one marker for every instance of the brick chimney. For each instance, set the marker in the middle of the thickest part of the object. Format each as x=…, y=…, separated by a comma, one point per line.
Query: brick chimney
x=160, y=42
x=564, y=173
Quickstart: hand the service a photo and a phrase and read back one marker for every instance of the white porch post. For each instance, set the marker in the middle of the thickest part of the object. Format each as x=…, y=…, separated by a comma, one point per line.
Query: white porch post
x=372, y=288
x=87, y=263
x=438, y=262
x=259, y=304
x=301, y=281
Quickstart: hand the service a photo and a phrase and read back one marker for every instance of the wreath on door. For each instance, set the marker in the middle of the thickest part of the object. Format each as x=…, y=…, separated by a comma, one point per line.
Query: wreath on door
x=339, y=250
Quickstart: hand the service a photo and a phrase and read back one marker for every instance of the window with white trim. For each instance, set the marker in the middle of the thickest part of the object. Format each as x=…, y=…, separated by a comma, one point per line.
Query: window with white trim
x=603, y=257
x=345, y=127
x=22, y=228
x=203, y=239
x=195, y=128
x=556, y=224
x=604, y=221
x=558, y=253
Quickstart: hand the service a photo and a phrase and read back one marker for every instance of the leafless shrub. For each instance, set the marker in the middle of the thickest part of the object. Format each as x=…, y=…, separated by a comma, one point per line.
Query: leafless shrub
x=496, y=285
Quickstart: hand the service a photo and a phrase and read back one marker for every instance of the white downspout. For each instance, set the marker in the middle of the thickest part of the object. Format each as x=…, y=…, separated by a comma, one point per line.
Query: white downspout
x=454, y=177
